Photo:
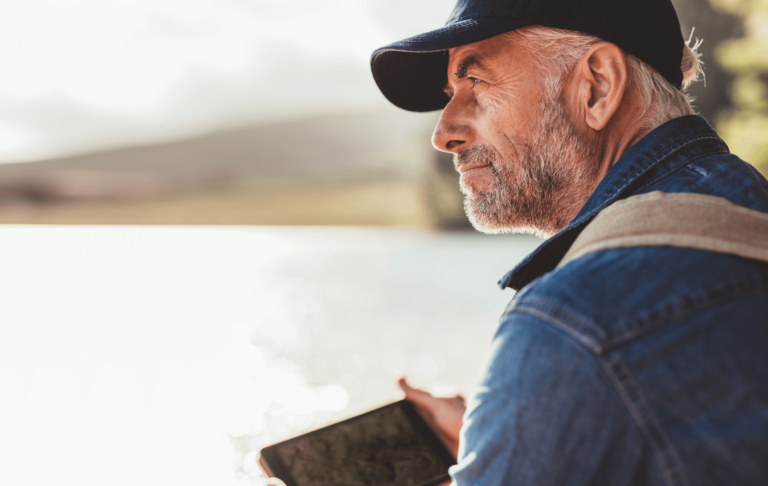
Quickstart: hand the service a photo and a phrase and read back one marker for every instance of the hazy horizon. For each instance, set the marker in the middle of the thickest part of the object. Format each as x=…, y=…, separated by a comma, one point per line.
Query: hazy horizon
x=89, y=75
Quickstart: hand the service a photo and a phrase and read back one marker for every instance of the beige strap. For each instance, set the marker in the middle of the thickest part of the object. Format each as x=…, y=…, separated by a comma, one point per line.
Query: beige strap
x=682, y=220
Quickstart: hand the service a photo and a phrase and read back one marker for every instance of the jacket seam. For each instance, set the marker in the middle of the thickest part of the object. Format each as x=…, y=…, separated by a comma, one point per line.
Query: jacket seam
x=665, y=454
x=666, y=457
x=689, y=311
x=583, y=323
x=663, y=174
x=582, y=339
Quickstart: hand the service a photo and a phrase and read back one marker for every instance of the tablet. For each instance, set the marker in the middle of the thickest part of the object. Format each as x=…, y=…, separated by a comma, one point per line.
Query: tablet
x=391, y=445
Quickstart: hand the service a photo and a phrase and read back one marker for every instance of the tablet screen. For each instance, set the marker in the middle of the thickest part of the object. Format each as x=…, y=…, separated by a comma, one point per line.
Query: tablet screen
x=387, y=446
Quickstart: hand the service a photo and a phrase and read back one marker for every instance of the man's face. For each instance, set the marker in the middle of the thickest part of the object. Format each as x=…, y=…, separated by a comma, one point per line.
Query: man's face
x=524, y=165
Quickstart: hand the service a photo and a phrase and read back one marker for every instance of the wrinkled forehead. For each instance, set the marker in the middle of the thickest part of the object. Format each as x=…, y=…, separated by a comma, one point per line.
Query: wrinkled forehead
x=490, y=55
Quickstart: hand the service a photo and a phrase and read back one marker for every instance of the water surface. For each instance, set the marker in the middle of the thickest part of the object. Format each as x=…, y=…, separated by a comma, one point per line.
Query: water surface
x=138, y=355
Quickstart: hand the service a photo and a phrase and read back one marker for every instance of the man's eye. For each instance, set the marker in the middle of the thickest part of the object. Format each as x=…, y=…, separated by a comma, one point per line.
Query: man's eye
x=475, y=81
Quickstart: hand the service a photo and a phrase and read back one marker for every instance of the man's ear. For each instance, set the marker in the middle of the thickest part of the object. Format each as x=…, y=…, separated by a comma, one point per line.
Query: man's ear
x=601, y=80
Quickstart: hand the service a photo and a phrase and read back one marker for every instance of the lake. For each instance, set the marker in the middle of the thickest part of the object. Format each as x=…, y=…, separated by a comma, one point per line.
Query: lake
x=167, y=355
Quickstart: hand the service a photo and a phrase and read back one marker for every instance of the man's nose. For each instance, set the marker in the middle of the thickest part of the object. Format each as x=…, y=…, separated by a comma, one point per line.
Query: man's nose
x=453, y=132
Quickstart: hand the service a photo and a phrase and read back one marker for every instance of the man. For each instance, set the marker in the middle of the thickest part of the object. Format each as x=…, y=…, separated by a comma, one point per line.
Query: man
x=632, y=366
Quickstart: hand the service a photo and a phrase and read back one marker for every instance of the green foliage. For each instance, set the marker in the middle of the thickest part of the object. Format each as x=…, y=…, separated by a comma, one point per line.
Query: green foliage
x=745, y=129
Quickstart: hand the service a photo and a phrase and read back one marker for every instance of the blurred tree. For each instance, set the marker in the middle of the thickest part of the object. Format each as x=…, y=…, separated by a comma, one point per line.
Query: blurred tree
x=712, y=97
x=442, y=197
x=745, y=127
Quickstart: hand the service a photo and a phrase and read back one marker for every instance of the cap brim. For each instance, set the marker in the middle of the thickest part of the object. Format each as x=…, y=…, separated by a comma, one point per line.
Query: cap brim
x=413, y=72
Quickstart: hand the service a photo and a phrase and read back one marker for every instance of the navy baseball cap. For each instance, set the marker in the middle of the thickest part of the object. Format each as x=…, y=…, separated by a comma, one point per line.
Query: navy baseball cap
x=412, y=73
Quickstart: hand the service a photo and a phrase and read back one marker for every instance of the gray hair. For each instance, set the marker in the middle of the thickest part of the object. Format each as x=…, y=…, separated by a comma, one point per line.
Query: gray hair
x=559, y=50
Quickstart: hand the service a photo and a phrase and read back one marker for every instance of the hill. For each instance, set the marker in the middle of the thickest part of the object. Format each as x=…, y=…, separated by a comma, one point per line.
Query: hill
x=371, y=145
x=373, y=168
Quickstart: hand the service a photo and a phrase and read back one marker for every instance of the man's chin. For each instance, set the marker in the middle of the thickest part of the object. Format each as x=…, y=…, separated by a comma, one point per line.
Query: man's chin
x=490, y=230
x=482, y=222
x=491, y=226
x=506, y=230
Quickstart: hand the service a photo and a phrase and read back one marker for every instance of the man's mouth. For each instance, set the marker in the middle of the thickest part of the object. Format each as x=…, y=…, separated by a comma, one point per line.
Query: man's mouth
x=467, y=167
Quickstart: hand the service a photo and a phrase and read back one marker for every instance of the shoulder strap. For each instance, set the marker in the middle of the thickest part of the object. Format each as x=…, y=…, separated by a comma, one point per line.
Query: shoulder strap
x=683, y=220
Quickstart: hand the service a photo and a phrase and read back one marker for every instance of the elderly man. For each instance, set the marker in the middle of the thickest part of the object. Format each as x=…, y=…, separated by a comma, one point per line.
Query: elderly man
x=641, y=364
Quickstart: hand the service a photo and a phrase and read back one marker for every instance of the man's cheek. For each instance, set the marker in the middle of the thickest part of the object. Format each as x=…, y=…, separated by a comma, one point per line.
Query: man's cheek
x=492, y=102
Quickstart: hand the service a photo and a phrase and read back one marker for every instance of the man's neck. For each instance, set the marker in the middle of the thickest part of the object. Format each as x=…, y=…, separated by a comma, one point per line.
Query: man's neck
x=628, y=126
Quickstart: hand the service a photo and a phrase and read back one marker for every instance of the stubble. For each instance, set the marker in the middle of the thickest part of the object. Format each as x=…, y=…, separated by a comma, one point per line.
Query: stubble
x=541, y=185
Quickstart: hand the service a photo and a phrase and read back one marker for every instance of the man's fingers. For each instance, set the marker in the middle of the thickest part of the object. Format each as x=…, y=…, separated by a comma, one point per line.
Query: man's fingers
x=417, y=396
x=434, y=409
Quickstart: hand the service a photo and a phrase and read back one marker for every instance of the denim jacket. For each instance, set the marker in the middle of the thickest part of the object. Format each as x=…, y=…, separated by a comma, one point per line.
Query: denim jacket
x=634, y=366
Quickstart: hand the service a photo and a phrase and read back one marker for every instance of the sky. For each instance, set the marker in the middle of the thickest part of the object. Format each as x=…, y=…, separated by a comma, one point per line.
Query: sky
x=85, y=75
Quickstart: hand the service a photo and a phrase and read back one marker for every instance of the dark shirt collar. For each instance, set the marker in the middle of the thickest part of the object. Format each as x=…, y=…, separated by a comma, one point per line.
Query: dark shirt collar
x=658, y=154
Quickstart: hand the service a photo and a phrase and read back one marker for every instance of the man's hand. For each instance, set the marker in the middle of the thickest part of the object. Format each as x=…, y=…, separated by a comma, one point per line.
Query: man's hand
x=444, y=414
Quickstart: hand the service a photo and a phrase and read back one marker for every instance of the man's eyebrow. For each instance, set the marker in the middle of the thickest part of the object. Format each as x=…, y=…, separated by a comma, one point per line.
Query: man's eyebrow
x=467, y=63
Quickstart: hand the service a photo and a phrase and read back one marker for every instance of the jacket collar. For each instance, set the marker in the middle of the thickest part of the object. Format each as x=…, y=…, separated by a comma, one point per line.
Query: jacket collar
x=658, y=154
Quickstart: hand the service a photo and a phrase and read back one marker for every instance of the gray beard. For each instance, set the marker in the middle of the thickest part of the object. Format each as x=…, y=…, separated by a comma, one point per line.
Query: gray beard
x=541, y=186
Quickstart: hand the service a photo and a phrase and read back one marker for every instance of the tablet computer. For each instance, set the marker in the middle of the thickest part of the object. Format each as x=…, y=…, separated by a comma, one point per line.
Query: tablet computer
x=391, y=445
